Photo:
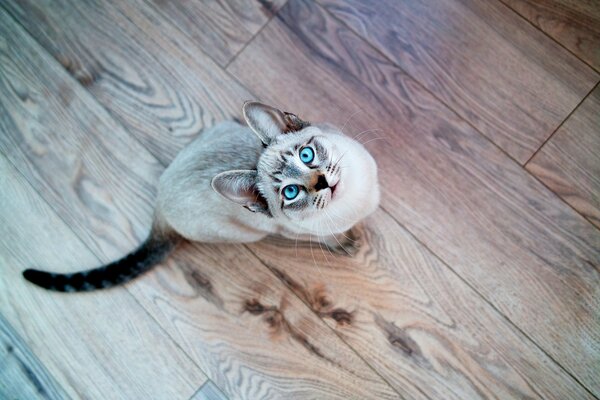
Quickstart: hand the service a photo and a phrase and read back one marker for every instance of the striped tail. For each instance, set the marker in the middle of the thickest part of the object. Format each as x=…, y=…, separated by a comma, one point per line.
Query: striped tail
x=155, y=249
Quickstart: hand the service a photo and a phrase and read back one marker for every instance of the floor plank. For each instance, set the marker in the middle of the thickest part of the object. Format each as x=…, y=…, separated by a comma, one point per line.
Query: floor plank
x=569, y=163
x=144, y=70
x=498, y=72
x=508, y=236
x=573, y=23
x=252, y=336
x=209, y=391
x=257, y=339
x=92, y=350
x=416, y=322
x=22, y=375
x=220, y=28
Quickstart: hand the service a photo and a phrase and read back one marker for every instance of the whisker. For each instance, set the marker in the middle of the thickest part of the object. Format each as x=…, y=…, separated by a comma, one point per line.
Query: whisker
x=349, y=118
x=335, y=237
x=343, y=233
x=356, y=137
x=313, y=255
x=330, y=253
x=341, y=218
x=377, y=138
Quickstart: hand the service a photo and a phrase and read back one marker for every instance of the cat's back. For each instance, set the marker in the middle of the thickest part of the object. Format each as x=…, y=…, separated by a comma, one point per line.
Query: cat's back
x=227, y=145
x=185, y=194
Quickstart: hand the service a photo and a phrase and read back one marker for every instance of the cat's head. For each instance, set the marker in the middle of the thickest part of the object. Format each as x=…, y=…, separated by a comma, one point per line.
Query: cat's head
x=312, y=176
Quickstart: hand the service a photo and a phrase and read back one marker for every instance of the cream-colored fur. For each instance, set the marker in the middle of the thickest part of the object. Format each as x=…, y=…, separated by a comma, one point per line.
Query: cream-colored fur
x=210, y=194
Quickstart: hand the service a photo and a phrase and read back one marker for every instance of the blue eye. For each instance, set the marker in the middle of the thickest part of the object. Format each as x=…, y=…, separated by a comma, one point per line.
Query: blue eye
x=307, y=155
x=291, y=191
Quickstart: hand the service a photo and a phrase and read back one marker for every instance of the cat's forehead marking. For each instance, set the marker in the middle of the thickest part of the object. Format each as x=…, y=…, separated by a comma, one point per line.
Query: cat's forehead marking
x=291, y=170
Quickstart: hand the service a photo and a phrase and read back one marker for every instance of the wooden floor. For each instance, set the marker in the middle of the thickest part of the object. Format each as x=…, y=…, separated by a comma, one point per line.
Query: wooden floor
x=478, y=277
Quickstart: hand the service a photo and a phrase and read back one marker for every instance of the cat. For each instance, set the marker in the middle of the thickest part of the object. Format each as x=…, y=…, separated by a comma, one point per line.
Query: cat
x=279, y=175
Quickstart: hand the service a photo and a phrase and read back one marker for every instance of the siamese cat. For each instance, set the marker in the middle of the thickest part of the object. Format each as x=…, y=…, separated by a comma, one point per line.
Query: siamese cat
x=280, y=175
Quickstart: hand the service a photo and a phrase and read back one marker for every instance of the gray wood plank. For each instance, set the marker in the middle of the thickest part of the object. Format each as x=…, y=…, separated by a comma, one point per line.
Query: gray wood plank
x=502, y=231
x=224, y=309
x=96, y=346
x=22, y=375
x=152, y=77
x=220, y=28
x=209, y=391
x=89, y=348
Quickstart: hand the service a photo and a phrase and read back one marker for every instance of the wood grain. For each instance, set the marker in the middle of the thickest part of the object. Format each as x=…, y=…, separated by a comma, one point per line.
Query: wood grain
x=503, y=232
x=43, y=109
x=509, y=80
x=569, y=163
x=150, y=76
x=416, y=322
x=255, y=337
x=573, y=23
x=220, y=28
x=22, y=376
x=95, y=346
x=219, y=303
x=209, y=391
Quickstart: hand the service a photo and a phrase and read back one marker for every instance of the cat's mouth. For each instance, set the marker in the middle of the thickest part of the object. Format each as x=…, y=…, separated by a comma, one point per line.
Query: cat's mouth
x=333, y=190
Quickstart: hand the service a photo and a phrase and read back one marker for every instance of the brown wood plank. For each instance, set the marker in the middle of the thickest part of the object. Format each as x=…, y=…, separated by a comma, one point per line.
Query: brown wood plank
x=573, y=23
x=509, y=237
x=209, y=298
x=220, y=28
x=95, y=346
x=415, y=321
x=144, y=70
x=22, y=375
x=253, y=336
x=569, y=163
x=509, y=80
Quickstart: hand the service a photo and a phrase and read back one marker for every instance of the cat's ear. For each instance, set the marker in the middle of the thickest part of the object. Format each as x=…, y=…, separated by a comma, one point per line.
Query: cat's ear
x=268, y=122
x=240, y=187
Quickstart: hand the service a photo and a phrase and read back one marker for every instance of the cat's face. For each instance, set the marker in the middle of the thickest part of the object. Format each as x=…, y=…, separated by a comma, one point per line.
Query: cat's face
x=318, y=178
x=311, y=178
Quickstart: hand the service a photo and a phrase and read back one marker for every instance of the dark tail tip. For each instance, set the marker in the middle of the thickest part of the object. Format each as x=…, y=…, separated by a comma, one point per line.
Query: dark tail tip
x=40, y=278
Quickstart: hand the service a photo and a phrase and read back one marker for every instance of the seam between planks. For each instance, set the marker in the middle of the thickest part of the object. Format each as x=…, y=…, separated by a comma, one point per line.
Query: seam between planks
x=235, y=56
x=85, y=245
x=499, y=148
x=546, y=141
x=130, y=136
x=548, y=35
x=505, y=153
x=57, y=214
x=506, y=318
x=18, y=340
x=260, y=260
x=199, y=389
x=560, y=126
x=421, y=86
x=326, y=324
